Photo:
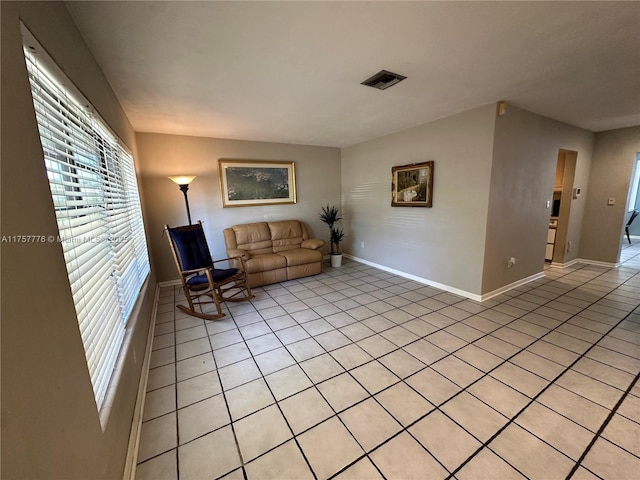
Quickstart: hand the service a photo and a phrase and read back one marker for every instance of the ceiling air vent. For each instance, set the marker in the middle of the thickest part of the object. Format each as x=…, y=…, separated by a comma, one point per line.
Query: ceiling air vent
x=383, y=80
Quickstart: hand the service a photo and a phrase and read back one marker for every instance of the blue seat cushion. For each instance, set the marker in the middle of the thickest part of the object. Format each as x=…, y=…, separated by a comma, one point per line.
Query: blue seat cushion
x=218, y=275
x=191, y=247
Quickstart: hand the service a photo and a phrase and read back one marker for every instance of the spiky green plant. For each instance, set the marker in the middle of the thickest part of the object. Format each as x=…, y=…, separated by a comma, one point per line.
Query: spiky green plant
x=336, y=235
x=331, y=216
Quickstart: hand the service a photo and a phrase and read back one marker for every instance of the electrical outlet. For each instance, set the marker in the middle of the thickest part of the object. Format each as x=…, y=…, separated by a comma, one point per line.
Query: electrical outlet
x=611, y=201
x=361, y=244
x=511, y=262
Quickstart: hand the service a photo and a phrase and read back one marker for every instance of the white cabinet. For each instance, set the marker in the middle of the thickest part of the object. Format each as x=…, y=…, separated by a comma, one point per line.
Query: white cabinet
x=551, y=240
x=548, y=254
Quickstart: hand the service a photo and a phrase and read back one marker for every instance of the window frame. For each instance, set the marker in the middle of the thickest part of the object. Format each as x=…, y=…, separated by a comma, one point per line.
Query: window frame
x=95, y=195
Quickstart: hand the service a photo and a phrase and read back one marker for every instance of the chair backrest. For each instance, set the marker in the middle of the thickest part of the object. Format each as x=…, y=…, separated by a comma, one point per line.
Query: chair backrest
x=632, y=217
x=189, y=246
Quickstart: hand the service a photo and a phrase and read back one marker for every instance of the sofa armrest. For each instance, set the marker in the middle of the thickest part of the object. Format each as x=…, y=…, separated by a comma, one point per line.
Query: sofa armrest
x=312, y=243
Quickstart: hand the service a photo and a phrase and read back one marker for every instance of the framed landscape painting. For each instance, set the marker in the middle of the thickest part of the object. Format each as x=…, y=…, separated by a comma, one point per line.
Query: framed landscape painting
x=245, y=183
x=412, y=185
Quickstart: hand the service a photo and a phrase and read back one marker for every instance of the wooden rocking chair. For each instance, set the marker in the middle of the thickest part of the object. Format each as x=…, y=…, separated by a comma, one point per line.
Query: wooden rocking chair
x=199, y=276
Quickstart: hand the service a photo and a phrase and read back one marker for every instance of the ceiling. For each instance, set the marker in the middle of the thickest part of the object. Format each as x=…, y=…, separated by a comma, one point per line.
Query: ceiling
x=291, y=71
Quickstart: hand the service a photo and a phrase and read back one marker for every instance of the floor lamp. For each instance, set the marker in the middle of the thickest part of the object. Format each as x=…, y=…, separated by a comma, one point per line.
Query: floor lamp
x=183, y=182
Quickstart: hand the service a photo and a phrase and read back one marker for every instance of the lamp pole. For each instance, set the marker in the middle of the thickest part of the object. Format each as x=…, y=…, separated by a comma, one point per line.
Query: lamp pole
x=184, y=189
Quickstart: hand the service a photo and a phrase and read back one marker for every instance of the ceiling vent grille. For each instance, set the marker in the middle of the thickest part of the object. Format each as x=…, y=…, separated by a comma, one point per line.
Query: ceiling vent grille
x=383, y=80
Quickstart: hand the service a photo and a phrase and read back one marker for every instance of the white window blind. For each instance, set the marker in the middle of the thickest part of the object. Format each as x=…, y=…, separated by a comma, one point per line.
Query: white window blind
x=95, y=195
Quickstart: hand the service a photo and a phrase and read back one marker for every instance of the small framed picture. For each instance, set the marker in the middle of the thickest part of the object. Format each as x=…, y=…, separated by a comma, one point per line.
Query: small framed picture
x=412, y=185
x=245, y=183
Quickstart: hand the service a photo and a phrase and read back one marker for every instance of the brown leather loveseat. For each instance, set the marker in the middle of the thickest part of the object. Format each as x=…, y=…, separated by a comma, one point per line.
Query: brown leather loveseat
x=274, y=251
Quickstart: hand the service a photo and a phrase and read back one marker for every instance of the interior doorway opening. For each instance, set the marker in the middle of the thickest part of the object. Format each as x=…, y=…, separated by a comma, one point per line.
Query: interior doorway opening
x=558, y=245
x=631, y=218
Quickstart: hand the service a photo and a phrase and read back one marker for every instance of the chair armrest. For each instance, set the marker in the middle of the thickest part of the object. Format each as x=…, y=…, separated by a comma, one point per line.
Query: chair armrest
x=236, y=259
x=195, y=270
x=237, y=253
x=312, y=243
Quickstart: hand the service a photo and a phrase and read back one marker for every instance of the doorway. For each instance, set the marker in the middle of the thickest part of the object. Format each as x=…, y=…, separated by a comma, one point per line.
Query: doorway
x=563, y=192
x=631, y=219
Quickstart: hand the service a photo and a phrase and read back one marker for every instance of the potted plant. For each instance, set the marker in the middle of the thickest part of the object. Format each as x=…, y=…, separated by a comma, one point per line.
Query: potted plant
x=331, y=216
x=336, y=235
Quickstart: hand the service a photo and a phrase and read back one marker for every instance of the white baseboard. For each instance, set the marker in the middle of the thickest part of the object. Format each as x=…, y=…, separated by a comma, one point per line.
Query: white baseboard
x=599, y=263
x=136, y=423
x=588, y=262
x=564, y=265
x=426, y=281
x=511, y=286
x=448, y=288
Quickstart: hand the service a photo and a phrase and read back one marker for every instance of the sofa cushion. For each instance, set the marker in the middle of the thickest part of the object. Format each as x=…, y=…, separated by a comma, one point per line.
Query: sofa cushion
x=264, y=262
x=301, y=256
x=286, y=235
x=255, y=238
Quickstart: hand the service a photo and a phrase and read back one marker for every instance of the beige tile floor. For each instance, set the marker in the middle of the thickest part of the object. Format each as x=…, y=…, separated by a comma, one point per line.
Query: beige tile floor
x=360, y=374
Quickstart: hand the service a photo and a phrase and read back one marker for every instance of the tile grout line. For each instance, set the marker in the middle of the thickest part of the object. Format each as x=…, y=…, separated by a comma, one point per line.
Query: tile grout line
x=511, y=420
x=396, y=325
x=175, y=385
x=277, y=402
x=601, y=429
x=583, y=283
x=355, y=321
x=336, y=414
x=405, y=428
x=226, y=403
x=437, y=407
x=313, y=385
x=194, y=403
x=550, y=300
x=449, y=354
x=402, y=380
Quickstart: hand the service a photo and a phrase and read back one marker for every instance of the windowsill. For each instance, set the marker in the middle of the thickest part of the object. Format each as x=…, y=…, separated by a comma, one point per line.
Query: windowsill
x=110, y=396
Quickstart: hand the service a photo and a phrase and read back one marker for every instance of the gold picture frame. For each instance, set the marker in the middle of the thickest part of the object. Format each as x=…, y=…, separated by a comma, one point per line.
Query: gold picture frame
x=246, y=183
x=412, y=185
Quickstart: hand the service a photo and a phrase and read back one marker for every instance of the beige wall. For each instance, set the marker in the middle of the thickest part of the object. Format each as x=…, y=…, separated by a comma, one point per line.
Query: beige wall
x=50, y=425
x=614, y=156
x=443, y=244
x=525, y=154
x=317, y=181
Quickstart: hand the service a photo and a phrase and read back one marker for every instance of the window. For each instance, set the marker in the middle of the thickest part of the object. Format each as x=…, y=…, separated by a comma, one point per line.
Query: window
x=97, y=206
x=634, y=201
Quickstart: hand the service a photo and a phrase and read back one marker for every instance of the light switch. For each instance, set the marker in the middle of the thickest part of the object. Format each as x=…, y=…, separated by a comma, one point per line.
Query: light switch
x=548, y=203
x=611, y=201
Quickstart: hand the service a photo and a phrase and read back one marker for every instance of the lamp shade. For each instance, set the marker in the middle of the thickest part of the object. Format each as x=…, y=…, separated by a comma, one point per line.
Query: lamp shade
x=182, y=179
